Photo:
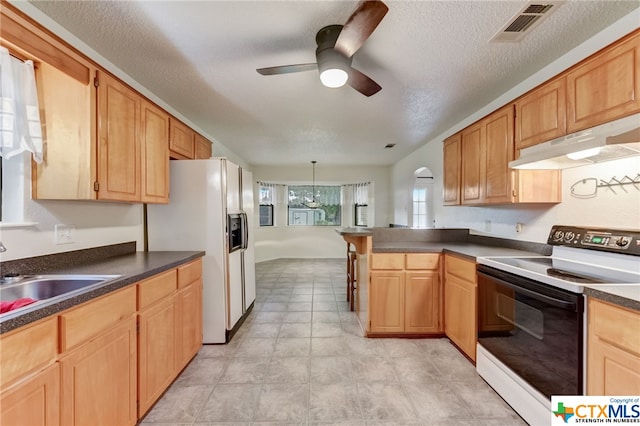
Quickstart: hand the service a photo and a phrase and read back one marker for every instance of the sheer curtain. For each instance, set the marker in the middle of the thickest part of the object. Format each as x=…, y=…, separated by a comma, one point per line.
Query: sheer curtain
x=19, y=111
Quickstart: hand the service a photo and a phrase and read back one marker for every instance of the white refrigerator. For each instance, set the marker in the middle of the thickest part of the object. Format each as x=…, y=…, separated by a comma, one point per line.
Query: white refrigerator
x=211, y=209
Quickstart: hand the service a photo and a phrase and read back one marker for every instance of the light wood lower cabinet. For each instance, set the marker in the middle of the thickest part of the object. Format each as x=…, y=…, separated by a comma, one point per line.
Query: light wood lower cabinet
x=35, y=400
x=157, y=358
x=98, y=379
x=613, y=350
x=189, y=309
x=386, y=300
x=404, y=293
x=460, y=304
x=92, y=364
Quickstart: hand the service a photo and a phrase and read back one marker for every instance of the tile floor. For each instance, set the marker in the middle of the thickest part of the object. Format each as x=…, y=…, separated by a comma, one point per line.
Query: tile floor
x=299, y=359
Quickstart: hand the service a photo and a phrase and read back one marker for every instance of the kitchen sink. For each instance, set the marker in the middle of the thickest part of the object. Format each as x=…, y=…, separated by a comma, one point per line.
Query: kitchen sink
x=42, y=287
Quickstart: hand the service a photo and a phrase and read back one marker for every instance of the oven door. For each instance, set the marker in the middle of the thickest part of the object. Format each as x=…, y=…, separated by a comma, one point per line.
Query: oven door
x=532, y=328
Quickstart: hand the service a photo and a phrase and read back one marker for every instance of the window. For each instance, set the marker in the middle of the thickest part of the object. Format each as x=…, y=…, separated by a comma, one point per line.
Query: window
x=360, y=215
x=361, y=204
x=266, y=215
x=419, y=207
x=422, y=183
x=267, y=198
x=302, y=211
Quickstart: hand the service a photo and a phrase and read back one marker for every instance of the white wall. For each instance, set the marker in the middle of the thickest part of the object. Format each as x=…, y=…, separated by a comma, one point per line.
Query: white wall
x=606, y=209
x=282, y=241
x=96, y=224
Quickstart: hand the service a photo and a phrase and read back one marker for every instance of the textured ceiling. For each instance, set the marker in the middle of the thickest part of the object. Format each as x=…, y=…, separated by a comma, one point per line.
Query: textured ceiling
x=433, y=60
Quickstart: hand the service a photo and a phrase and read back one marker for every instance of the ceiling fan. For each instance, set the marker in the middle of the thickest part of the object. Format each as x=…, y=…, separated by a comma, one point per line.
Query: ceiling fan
x=336, y=47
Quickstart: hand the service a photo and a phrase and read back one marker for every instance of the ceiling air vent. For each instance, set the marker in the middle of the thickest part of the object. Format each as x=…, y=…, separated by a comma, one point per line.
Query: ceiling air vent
x=525, y=20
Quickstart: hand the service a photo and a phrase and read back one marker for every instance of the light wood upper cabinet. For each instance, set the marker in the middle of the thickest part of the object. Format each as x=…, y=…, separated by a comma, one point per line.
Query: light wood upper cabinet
x=203, y=148
x=181, y=140
x=487, y=149
x=541, y=114
x=155, y=154
x=606, y=86
x=66, y=96
x=133, y=157
x=451, y=192
x=498, y=151
x=613, y=350
x=472, y=164
x=119, y=128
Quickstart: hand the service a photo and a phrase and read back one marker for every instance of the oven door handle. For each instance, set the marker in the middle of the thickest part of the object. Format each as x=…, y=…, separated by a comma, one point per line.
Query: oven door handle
x=563, y=304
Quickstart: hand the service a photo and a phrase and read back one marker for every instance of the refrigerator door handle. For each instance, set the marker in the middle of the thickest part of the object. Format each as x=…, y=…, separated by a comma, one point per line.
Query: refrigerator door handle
x=245, y=231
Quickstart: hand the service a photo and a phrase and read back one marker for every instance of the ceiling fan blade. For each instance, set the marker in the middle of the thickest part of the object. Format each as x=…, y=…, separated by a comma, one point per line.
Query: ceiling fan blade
x=362, y=83
x=362, y=22
x=286, y=69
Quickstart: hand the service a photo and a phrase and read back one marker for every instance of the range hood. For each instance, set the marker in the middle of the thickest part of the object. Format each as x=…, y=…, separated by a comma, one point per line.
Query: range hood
x=609, y=141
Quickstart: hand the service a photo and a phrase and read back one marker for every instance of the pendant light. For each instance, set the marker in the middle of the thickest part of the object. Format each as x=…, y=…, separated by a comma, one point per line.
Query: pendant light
x=313, y=204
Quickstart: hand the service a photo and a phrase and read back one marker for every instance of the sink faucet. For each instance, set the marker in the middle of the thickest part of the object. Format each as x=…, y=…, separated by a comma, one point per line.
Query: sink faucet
x=2, y=247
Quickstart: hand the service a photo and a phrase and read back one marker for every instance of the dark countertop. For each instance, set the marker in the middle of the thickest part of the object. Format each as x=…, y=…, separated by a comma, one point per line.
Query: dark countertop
x=622, y=295
x=132, y=267
x=469, y=250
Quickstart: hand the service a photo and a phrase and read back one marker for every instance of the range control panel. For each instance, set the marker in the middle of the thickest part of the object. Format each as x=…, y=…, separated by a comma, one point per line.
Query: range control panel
x=613, y=240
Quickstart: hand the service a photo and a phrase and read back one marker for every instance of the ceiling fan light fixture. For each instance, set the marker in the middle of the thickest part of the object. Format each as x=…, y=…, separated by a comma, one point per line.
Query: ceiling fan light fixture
x=334, y=77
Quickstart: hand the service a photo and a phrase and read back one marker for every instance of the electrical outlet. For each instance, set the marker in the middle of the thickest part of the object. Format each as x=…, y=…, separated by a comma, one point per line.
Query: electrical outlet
x=64, y=234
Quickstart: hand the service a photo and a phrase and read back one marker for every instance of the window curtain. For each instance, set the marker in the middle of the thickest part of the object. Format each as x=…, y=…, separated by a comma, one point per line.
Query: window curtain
x=20, y=128
x=361, y=193
x=267, y=193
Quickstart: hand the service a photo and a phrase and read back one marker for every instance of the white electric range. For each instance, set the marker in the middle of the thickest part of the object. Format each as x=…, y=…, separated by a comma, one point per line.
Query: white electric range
x=531, y=315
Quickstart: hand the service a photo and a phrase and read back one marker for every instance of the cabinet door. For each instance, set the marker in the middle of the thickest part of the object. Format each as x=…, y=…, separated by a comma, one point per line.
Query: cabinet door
x=189, y=302
x=460, y=322
x=541, y=114
x=66, y=97
x=99, y=379
x=605, y=87
x=118, y=140
x=154, y=154
x=422, y=302
x=498, y=151
x=34, y=401
x=386, y=301
x=472, y=165
x=203, y=147
x=613, y=350
x=181, y=140
x=157, y=360
x=451, y=191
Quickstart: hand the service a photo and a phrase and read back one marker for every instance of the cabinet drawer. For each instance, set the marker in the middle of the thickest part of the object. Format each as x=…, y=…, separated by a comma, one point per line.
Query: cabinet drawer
x=387, y=261
x=423, y=260
x=460, y=268
x=615, y=324
x=156, y=287
x=79, y=324
x=27, y=348
x=189, y=273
